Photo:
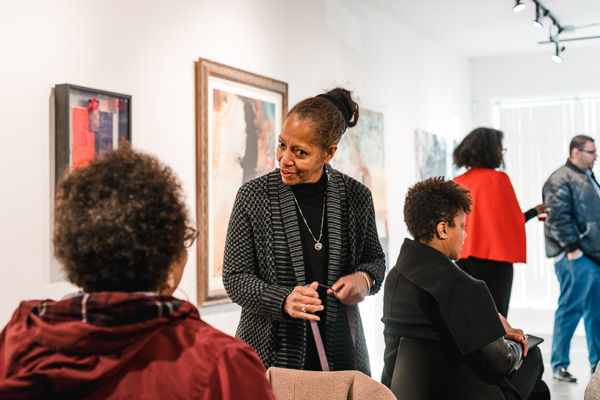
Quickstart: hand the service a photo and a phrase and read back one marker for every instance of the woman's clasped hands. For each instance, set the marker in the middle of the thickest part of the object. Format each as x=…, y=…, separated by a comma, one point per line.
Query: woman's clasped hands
x=304, y=301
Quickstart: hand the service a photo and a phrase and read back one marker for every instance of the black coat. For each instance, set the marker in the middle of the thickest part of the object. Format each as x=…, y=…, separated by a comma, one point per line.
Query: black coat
x=427, y=297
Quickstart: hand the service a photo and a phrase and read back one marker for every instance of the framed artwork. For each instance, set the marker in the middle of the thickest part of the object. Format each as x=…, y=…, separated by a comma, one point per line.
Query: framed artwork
x=87, y=122
x=361, y=155
x=434, y=155
x=238, y=118
x=84, y=122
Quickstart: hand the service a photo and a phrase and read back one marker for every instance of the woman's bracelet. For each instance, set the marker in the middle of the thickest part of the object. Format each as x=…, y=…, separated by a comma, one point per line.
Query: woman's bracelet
x=364, y=274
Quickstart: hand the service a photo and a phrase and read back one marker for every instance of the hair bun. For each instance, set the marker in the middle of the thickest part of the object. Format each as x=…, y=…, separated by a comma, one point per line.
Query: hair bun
x=344, y=98
x=339, y=104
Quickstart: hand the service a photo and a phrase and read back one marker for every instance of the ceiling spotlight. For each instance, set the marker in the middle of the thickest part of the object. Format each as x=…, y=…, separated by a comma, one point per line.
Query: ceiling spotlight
x=556, y=56
x=540, y=14
x=518, y=6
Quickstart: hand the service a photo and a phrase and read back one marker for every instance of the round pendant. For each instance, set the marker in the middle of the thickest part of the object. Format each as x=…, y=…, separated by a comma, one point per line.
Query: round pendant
x=318, y=246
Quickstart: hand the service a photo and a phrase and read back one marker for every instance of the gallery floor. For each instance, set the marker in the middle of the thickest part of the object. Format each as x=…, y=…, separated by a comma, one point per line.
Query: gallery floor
x=579, y=367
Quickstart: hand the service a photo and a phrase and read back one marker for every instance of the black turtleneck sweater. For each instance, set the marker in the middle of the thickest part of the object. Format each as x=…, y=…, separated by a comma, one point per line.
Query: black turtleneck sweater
x=311, y=198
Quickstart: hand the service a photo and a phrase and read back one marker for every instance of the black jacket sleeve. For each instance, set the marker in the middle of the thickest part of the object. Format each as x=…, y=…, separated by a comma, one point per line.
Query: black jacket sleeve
x=497, y=359
x=530, y=214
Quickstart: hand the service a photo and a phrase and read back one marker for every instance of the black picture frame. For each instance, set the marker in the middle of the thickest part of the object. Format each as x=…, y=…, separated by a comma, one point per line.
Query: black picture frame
x=66, y=97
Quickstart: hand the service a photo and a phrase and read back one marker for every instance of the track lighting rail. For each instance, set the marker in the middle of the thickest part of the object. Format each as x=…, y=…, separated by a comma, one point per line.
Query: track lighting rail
x=555, y=29
x=571, y=39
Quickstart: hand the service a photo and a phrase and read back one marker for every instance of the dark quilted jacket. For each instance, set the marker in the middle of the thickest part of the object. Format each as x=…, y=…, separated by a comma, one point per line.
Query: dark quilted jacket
x=264, y=262
x=574, y=219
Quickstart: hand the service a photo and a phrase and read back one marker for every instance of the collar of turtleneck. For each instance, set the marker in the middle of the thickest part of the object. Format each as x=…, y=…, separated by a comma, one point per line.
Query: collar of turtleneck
x=311, y=189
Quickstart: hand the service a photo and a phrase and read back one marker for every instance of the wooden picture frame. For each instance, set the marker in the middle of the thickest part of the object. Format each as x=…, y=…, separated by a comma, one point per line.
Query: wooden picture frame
x=238, y=118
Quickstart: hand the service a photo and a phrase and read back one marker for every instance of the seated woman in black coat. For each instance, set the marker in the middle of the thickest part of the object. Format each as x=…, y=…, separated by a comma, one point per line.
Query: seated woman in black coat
x=438, y=308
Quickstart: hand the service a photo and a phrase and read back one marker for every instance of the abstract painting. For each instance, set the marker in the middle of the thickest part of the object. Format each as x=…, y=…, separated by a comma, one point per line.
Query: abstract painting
x=360, y=154
x=239, y=115
x=433, y=155
x=86, y=122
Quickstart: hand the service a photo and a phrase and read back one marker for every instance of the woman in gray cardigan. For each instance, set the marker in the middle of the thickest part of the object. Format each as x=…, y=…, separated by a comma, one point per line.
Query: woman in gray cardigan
x=302, y=246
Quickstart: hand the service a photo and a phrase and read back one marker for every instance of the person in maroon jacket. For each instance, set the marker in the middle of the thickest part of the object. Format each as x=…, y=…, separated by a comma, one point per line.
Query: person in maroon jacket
x=121, y=233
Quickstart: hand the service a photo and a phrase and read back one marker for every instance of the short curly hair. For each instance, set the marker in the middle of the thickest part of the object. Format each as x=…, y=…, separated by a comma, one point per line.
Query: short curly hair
x=119, y=222
x=480, y=148
x=432, y=201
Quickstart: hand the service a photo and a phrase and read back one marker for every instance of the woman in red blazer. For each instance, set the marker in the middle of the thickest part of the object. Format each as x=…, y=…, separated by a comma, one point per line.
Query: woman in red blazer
x=496, y=225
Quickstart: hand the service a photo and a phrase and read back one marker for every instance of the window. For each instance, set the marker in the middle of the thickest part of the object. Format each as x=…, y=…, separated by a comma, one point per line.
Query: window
x=537, y=136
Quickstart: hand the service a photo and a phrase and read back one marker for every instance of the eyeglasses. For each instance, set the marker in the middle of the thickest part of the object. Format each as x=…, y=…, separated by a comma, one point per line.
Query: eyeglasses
x=588, y=151
x=190, y=236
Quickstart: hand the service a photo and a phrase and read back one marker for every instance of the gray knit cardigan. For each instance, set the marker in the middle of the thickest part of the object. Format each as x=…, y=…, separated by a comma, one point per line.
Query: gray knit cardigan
x=264, y=262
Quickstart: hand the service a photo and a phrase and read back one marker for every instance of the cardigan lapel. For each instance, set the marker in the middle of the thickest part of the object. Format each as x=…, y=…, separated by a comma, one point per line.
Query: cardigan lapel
x=292, y=230
x=337, y=221
x=335, y=192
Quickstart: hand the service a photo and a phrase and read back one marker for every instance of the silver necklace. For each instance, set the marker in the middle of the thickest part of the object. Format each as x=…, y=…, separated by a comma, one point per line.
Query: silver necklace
x=318, y=244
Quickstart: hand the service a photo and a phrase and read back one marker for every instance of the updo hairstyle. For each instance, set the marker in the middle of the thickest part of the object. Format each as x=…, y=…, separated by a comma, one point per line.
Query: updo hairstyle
x=327, y=116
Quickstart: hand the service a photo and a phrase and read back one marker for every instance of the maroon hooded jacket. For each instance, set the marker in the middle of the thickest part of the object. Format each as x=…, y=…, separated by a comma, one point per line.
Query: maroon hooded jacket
x=111, y=345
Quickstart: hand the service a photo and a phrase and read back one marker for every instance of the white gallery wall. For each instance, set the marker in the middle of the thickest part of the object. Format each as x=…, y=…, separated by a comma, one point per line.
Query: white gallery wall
x=535, y=148
x=147, y=49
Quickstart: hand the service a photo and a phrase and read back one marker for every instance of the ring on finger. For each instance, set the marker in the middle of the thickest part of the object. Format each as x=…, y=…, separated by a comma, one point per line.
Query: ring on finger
x=304, y=308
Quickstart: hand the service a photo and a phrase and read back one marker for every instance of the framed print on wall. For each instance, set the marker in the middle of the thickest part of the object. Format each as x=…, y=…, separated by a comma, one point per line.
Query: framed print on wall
x=361, y=155
x=87, y=122
x=84, y=122
x=238, y=119
x=433, y=155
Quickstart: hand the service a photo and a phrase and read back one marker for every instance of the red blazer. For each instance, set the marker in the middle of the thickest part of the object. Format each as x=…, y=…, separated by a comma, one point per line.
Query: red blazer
x=496, y=226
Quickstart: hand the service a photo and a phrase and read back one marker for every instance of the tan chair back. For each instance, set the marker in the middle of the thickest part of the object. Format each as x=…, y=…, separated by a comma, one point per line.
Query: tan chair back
x=291, y=384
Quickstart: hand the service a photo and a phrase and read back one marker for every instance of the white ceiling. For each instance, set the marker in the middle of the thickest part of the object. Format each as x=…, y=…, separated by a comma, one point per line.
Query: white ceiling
x=481, y=28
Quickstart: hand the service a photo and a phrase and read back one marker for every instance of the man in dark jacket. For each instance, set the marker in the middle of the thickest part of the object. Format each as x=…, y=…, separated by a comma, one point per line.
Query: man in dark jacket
x=572, y=233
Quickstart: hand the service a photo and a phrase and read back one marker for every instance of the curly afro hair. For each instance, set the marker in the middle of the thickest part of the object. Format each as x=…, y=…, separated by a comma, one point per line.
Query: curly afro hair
x=326, y=119
x=119, y=222
x=432, y=201
x=480, y=148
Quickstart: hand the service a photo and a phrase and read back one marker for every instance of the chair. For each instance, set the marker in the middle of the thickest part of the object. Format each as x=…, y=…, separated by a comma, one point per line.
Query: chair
x=291, y=384
x=592, y=391
x=422, y=372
